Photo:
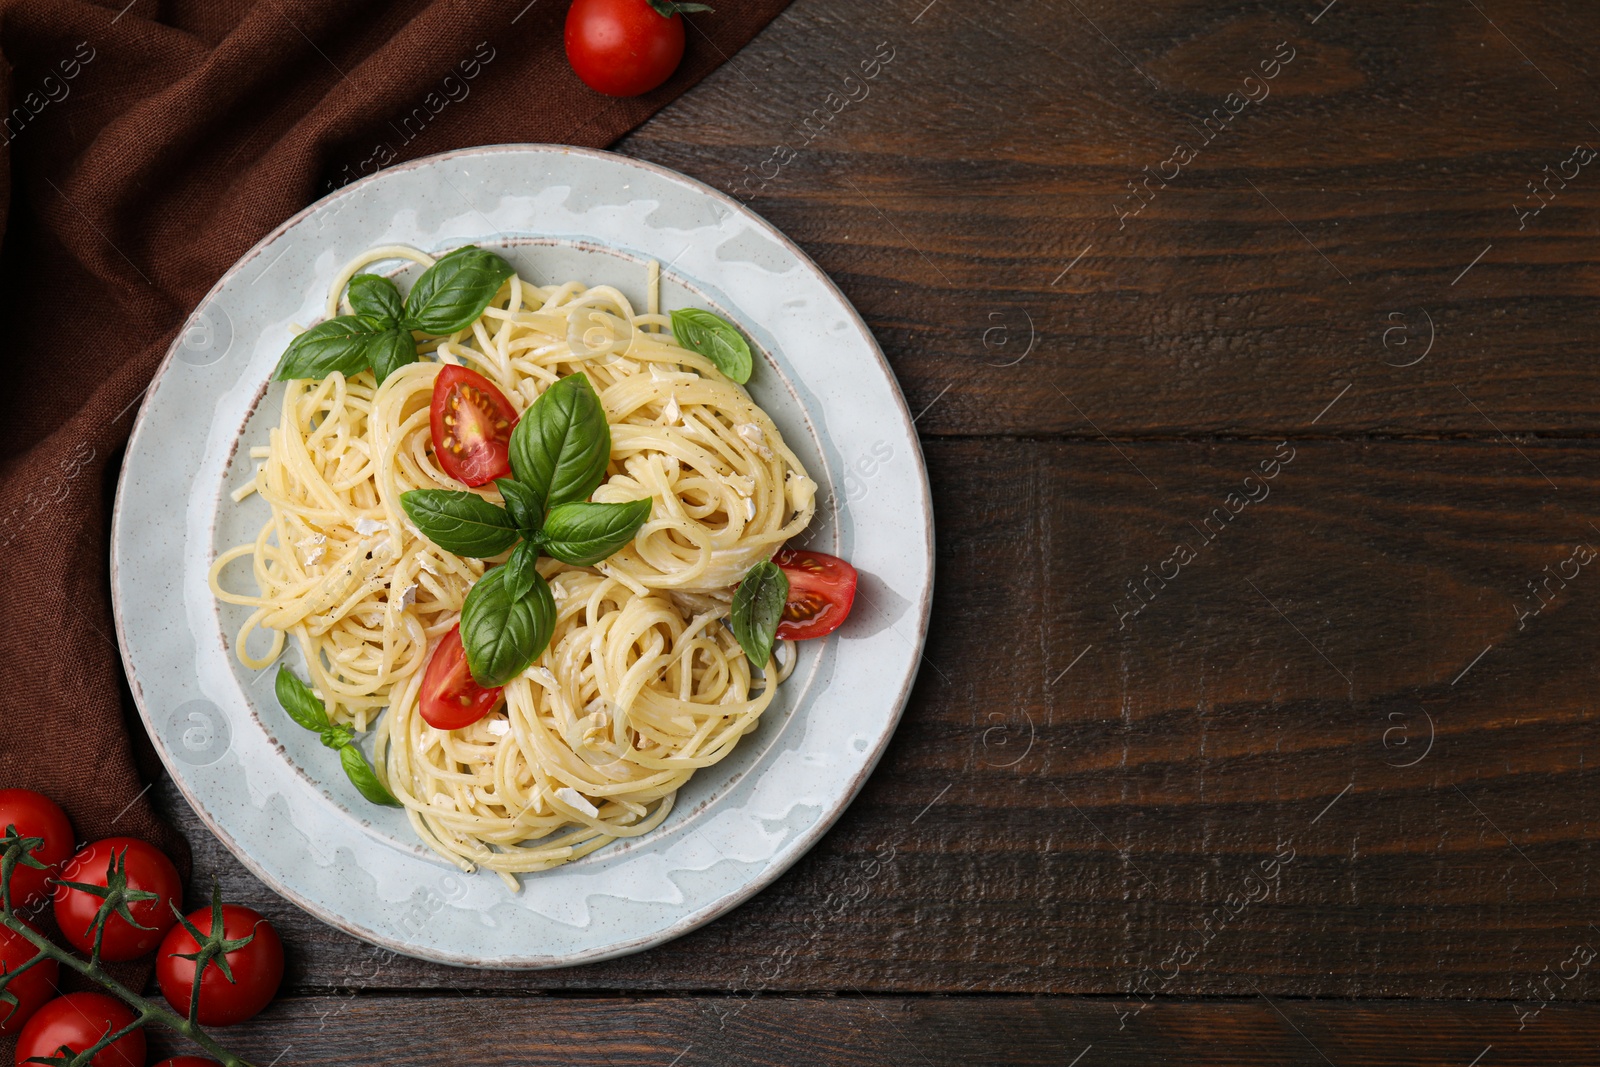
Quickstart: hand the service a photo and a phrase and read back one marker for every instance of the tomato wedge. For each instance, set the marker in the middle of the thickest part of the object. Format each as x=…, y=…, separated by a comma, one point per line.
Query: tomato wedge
x=821, y=590
x=472, y=423
x=451, y=698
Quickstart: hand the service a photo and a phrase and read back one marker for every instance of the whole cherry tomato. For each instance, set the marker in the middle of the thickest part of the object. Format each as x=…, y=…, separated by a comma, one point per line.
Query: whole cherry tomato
x=35, y=815
x=77, y=1021
x=146, y=869
x=31, y=988
x=257, y=967
x=625, y=47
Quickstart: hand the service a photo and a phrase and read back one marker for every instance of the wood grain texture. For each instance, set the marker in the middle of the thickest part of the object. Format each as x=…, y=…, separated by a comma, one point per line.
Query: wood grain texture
x=999, y=144
x=1210, y=796
x=1185, y=730
x=852, y=1031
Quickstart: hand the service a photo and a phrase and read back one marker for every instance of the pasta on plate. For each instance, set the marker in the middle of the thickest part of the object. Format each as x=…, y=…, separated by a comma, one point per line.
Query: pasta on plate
x=642, y=680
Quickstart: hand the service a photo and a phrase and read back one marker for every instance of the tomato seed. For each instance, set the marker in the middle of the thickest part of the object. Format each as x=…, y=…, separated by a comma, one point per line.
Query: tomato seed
x=806, y=606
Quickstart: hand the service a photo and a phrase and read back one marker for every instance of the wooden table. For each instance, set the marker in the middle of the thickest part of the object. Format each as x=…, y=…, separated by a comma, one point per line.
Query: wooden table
x=1251, y=346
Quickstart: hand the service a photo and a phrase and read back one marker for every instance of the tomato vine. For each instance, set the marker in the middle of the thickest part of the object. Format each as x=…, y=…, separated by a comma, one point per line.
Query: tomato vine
x=115, y=896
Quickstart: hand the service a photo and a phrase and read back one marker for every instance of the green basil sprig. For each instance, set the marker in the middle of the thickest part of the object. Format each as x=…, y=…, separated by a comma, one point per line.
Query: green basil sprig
x=460, y=522
x=523, y=505
x=559, y=453
x=376, y=301
x=757, y=610
x=304, y=708
x=448, y=297
x=715, y=338
x=453, y=292
x=562, y=444
x=503, y=631
x=519, y=569
x=390, y=351
x=585, y=534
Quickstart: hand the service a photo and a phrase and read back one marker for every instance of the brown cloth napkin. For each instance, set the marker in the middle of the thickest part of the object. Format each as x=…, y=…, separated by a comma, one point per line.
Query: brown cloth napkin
x=147, y=145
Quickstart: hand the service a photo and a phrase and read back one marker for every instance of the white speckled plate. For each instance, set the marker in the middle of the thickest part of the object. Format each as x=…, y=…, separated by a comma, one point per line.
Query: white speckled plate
x=279, y=800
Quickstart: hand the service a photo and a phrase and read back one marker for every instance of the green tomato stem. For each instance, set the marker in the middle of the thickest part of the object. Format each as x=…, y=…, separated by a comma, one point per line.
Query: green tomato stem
x=147, y=1010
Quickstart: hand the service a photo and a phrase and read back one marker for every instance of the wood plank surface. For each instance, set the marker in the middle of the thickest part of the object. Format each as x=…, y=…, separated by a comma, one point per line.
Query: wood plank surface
x=854, y=1031
x=1318, y=240
x=1267, y=488
x=1327, y=758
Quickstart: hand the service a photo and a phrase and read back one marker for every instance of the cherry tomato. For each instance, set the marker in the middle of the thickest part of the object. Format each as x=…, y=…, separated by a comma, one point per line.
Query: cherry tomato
x=451, y=697
x=257, y=968
x=472, y=423
x=189, y=1061
x=35, y=815
x=77, y=1021
x=146, y=869
x=821, y=590
x=32, y=988
x=622, y=47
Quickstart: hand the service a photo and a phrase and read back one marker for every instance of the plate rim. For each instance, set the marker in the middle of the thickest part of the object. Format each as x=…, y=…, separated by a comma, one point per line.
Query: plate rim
x=787, y=856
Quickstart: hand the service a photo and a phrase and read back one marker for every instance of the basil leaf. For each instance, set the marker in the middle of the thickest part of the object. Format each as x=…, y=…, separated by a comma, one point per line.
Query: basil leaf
x=460, y=522
x=453, y=292
x=522, y=504
x=304, y=708
x=336, y=736
x=757, y=610
x=391, y=350
x=520, y=571
x=299, y=701
x=501, y=633
x=715, y=338
x=336, y=345
x=364, y=778
x=376, y=301
x=585, y=534
x=562, y=444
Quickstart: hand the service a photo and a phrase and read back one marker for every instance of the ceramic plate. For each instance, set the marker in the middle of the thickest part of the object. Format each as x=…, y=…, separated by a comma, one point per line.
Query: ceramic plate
x=273, y=794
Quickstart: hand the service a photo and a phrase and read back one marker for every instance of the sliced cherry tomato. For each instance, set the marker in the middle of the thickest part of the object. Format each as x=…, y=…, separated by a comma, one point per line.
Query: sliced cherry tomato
x=257, y=967
x=451, y=697
x=35, y=815
x=31, y=988
x=77, y=1021
x=472, y=423
x=147, y=870
x=623, y=47
x=821, y=590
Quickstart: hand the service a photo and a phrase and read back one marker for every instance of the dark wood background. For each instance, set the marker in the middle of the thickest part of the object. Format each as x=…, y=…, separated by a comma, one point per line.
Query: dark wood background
x=1324, y=798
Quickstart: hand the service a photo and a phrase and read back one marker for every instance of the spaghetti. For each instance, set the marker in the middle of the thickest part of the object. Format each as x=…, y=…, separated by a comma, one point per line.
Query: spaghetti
x=641, y=683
